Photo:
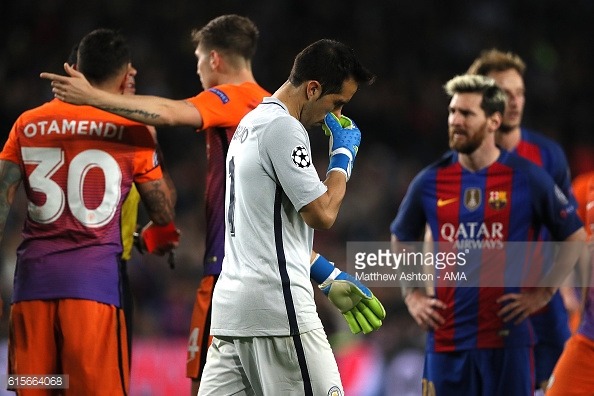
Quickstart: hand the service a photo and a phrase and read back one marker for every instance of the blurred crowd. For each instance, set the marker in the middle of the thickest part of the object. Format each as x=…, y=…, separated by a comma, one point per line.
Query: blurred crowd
x=413, y=47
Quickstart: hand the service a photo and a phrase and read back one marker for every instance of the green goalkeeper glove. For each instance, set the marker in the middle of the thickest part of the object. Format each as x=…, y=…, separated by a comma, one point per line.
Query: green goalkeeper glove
x=361, y=309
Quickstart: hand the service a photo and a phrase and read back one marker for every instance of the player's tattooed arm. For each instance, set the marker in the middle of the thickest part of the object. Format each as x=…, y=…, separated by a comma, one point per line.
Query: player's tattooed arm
x=136, y=114
x=158, y=199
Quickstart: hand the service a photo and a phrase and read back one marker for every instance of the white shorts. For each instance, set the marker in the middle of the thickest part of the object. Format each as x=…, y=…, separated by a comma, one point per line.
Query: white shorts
x=271, y=366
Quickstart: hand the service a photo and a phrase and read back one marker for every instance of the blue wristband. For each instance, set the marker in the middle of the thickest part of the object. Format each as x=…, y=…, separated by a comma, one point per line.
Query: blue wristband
x=321, y=269
x=340, y=161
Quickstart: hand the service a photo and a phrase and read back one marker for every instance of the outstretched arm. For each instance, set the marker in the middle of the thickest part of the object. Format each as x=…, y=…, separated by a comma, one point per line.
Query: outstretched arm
x=152, y=110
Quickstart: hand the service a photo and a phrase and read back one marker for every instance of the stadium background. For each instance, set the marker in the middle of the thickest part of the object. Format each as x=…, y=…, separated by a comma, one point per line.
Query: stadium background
x=413, y=47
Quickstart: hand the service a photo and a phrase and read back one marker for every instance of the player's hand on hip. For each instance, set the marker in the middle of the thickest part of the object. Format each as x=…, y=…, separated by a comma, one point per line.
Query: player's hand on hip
x=345, y=138
x=521, y=305
x=424, y=310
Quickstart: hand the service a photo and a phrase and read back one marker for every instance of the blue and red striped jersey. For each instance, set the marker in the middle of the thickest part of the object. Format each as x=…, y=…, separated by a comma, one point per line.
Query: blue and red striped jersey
x=509, y=201
x=547, y=154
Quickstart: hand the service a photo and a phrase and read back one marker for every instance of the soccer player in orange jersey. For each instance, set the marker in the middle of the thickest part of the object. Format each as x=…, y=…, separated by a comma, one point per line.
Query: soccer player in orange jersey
x=77, y=166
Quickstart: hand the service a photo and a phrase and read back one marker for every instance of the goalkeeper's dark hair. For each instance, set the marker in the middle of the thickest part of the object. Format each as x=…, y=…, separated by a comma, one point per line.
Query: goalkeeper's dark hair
x=494, y=99
x=102, y=54
x=497, y=61
x=231, y=35
x=330, y=63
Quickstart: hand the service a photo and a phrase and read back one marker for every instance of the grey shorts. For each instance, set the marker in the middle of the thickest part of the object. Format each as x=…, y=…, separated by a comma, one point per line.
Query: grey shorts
x=271, y=366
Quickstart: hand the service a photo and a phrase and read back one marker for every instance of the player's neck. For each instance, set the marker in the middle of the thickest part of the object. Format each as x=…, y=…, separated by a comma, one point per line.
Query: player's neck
x=481, y=158
x=509, y=140
x=292, y=97
x=237, y=78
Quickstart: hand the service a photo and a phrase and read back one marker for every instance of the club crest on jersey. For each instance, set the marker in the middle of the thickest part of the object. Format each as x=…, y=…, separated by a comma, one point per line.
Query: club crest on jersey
x=335, y=391
x=300, y=157
x=472, y=198
x=497, y=199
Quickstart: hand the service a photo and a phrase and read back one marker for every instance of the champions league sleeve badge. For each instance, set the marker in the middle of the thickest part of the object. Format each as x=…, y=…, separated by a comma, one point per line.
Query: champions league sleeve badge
x=301, y=157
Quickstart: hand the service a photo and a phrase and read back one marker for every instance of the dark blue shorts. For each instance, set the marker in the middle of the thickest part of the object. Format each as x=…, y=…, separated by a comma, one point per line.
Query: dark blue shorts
x=480, y=372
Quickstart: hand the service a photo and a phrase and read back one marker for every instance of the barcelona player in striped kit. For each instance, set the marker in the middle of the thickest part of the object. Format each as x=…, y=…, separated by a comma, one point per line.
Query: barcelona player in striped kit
x=487, y=194
x=507, y=69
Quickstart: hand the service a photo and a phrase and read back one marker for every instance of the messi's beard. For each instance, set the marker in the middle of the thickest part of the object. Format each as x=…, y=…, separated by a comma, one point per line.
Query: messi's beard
x=472, y=143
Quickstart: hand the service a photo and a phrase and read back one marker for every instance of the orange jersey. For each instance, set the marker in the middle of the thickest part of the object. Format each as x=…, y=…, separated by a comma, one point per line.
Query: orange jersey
x=78, y=164
x=583, y=189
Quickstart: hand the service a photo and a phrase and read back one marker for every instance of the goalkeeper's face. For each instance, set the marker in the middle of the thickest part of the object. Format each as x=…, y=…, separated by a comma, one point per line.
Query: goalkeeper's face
x=318, y=105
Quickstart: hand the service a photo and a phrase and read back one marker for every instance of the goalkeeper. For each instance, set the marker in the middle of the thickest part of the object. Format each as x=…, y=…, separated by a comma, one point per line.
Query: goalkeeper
x=267, y=336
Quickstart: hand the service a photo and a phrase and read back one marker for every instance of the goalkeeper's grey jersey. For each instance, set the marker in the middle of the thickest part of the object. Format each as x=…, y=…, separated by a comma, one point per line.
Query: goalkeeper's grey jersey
x=264, y=288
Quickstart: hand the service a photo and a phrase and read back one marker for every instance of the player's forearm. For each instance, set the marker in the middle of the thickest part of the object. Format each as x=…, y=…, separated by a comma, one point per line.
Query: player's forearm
x=321, y=213
x=566, y=259
x=157, y=199
x=167, y=177
x=149, y=110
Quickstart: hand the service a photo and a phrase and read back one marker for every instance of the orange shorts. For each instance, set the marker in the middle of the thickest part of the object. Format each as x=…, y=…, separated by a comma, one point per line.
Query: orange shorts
x=572, y=375
x=83, y=339
x=200, y=337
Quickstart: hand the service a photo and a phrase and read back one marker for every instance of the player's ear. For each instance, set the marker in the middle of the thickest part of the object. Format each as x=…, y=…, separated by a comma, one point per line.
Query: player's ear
x=122, y=80
x=495, y=120
x=214, y=60
x=313, y=89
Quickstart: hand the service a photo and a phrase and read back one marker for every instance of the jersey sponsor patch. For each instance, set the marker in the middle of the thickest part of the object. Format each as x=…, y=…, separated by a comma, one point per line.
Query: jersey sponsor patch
x=300, y=157
x=472, y=198
x=224, y=98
